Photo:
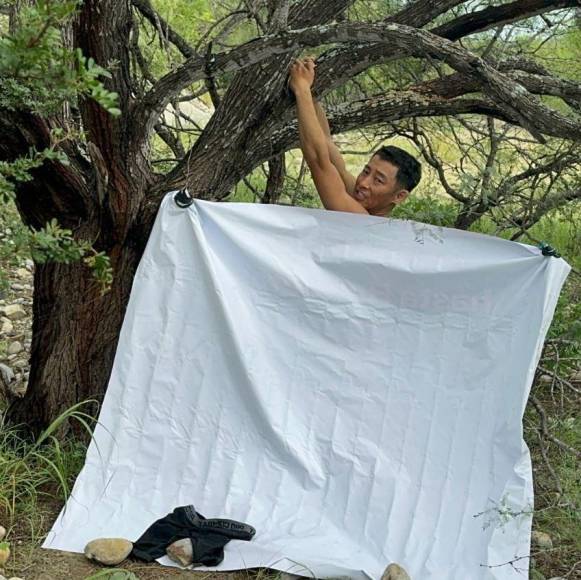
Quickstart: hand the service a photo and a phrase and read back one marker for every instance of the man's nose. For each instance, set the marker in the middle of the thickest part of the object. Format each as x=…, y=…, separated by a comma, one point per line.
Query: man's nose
x=364, y=181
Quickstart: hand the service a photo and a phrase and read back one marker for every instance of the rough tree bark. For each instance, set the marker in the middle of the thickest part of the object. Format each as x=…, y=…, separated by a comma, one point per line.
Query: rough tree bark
x=110, y=193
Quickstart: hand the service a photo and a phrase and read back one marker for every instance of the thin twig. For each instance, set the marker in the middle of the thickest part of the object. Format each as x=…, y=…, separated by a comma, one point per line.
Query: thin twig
x=545, y=430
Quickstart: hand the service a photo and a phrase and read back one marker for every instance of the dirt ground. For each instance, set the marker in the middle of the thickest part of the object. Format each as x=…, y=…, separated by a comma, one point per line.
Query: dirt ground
x=55, y=565
x=35, y=563
x=31, y=562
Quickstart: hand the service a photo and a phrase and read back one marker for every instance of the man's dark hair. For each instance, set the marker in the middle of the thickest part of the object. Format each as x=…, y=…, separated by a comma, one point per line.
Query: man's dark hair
x=409, y=170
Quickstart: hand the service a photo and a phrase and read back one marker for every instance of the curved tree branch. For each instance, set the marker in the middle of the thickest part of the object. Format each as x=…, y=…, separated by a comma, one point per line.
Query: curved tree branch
x=338, y=65
x=456, y=84
x=57, y=190
x=532, y=114
x=502, y=15
x=422, y=12
x=250, y=100
x=385, y=108
x=145, y=8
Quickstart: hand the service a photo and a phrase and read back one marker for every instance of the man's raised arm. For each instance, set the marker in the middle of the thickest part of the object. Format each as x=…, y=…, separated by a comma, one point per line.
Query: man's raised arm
x=314, y=145
x=334, y=153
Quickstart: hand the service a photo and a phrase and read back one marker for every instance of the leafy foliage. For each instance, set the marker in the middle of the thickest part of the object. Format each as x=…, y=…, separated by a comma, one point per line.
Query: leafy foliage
x=57, y=244
x=428, y=209
x=19, y=171
x=39, y=73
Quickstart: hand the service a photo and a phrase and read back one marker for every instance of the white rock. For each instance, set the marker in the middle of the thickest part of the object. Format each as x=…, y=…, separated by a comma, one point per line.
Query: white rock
x=15, y=347
x=6, y=377
x=108, y=551
x=576, y=377
x=29, y=264
x=16, y=578
x=7, y=327
x=23, y=273
x=181, y=552
x=541, y=540
x=395, y=572
x=2, y=533
x=14, y=312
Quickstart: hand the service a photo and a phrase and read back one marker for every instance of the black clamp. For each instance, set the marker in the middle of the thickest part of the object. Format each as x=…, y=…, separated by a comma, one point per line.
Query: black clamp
x=183, y=198
x=547, y=250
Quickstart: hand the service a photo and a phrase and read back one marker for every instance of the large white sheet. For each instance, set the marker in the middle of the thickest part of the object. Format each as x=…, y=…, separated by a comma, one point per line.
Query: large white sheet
x=351, y=386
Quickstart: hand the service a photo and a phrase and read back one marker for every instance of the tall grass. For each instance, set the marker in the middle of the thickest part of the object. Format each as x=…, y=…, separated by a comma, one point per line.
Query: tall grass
x=35, y=471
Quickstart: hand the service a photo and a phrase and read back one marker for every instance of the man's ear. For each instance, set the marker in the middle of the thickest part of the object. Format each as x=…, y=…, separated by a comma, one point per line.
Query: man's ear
x=400, y=196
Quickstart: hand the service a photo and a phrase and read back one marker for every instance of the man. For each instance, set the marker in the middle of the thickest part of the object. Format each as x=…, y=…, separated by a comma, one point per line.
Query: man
x=386, y=180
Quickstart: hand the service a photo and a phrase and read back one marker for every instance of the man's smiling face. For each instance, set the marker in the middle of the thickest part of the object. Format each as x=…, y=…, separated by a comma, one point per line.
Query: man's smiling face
x=377, y=188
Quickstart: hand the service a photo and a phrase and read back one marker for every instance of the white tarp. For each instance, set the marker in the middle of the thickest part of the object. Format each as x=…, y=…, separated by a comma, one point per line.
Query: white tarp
x=351, y=386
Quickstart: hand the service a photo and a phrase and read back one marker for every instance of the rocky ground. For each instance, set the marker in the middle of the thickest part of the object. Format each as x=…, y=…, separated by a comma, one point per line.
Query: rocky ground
x=16, y=328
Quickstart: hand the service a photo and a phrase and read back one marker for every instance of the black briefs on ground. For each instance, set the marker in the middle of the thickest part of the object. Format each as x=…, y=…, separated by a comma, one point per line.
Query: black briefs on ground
x=208, y=536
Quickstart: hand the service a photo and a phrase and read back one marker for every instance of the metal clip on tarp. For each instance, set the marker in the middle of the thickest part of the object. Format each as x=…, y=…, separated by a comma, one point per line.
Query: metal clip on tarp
x=183, y=198
x=547, y=250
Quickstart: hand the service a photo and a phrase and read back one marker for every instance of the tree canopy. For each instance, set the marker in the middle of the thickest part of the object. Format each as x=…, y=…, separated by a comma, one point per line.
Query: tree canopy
x=98, y=121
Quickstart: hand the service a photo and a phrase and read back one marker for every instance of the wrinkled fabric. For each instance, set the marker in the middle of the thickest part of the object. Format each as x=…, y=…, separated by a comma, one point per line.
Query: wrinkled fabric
x=351, y=386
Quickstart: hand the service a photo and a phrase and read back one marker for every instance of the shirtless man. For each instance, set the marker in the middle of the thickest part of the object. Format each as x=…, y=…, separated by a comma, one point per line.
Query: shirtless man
x=387, y=178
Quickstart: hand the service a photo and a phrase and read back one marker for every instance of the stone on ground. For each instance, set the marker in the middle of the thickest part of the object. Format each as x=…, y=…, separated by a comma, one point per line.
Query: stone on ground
x=181, y=552
x=15, y=347
x=14, y=312
x=395, y=572
x=7, y=326
x=108, y=551
x=541, y=540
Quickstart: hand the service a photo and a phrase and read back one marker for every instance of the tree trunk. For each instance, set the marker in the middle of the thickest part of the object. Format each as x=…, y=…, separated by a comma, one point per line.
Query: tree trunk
x=74, y=337
x=75, y=330
x=275, y=181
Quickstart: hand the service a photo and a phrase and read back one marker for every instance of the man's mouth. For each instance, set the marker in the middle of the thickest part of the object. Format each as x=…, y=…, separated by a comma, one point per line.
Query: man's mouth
x=360, y=195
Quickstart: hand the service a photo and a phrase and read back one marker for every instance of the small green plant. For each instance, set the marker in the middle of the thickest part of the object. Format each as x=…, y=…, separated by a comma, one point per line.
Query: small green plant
x=428, y=209
x=4, y=553
x=113, y=574
x=55, y=243
x=100, y=264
